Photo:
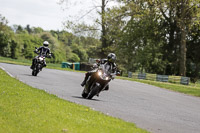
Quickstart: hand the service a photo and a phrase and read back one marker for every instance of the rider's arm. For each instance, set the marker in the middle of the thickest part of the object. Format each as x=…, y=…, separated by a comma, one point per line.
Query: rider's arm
x=49, y=53
x=103, y=61
x=37, y=49
x=115, y=69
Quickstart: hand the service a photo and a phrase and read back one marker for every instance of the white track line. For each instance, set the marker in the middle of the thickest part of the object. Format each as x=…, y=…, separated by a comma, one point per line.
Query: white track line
x=6, y=71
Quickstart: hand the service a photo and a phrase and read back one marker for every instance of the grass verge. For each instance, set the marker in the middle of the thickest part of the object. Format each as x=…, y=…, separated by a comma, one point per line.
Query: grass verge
x=25, y=109
x=29, y=62
x=191, y=89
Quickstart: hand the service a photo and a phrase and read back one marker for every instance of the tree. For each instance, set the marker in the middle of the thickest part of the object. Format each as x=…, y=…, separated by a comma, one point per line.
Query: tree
x=134, y=32
x=20, y=30
x=5, y=37
x=193, y=50
x=180, y=14
x=82, y=27
x=28, y=28
x=78, y=50
x=14, y=49
x=37, y=30
x=74, y=58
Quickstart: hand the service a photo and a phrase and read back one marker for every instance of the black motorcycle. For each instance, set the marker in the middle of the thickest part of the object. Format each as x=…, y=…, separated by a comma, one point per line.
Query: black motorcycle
x=38, y=63
x=98, y=81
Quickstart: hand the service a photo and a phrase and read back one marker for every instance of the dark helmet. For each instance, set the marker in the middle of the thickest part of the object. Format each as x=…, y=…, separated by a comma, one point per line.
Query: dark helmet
x=46, y=43
x=111, y=57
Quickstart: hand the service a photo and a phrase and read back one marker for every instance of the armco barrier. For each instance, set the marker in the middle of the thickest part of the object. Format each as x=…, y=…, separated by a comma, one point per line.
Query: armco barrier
x=141, y=75
x=160, y=78
x=185, y=80
x=130, y=75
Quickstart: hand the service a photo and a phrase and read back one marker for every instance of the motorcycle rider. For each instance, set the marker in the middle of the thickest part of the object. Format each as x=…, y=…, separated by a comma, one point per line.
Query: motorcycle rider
x=111, y=58
x=43, y=50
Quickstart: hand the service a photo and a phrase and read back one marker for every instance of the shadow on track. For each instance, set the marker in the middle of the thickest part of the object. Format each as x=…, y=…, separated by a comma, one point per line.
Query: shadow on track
x=26, y=74
x=85, y=98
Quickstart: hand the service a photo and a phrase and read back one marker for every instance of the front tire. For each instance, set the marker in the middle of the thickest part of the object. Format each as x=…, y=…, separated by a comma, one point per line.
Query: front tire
x=93, y=92
x=84, y=95
x=34, y=73
x=35, y=70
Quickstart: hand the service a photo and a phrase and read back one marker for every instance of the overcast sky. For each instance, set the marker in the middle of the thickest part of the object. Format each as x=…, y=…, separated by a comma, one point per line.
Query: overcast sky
x=38, y=13
x=47, y=14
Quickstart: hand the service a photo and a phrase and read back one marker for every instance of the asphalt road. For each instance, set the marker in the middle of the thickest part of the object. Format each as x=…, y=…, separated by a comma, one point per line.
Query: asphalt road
x=154, y=109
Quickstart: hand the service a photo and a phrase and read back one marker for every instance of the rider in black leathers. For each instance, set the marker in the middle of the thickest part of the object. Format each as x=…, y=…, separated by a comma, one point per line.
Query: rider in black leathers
x=43, y=50
x=111, y=58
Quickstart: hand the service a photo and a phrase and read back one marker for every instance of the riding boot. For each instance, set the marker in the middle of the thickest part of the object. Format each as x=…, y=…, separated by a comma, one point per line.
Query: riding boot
x=45, y=64
x=32, y=66
x=86, y=78
x=83, y=83
x=33, y=63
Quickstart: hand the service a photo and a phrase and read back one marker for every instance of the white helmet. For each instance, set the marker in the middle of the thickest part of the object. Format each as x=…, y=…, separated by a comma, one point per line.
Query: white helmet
x=46, y=43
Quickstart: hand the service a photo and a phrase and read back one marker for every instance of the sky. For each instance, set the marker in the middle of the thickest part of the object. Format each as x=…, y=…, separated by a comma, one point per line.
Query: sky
x=37, y=13
x=47, y=14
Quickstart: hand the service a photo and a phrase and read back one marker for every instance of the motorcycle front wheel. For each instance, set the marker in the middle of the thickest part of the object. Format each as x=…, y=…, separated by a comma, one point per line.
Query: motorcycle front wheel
x=93, y=92
x=34, y=73
x=35, y=70
x=84, y=95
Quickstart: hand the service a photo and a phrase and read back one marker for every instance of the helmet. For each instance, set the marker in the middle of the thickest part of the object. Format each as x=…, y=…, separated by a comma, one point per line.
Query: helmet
x=46, y=43
x=111, y=57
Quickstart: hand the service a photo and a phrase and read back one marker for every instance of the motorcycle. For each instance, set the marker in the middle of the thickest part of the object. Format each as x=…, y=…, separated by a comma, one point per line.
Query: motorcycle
x=98, y=81
x=39, y=63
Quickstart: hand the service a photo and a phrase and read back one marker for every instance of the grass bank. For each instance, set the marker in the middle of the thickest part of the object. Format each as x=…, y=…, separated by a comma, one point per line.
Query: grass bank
x=192, y=89
x=29, y=62
x=25, y=109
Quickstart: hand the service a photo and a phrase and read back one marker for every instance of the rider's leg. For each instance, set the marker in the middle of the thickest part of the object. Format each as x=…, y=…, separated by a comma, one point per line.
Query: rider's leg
x=86, y=78
x=45, y=64
x=33, y=63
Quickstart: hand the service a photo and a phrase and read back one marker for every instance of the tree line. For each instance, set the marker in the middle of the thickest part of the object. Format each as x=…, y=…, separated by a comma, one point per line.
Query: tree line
x=156, y=36
x=19, y=43
x=153, y=36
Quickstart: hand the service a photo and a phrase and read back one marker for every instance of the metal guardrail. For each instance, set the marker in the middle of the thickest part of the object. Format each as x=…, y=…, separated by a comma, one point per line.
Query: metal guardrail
x=160, y=78
x=142, y=76
x=185, y=80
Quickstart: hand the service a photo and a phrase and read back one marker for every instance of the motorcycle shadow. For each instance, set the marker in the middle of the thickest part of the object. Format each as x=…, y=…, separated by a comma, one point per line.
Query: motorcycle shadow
x=27, y=74
x=79, y=97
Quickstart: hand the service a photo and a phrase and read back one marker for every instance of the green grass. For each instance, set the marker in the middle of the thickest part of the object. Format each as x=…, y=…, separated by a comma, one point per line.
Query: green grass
x=14, y=61
x=192, y=89
x=29, y=62
x=25, y=109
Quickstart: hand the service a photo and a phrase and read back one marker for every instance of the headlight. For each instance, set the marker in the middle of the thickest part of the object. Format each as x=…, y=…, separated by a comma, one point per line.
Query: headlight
x=107, y=78
x=99, y=73
x=40, y=58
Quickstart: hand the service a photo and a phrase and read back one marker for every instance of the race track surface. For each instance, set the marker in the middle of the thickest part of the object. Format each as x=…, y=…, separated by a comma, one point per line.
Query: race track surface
x=154, y=109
